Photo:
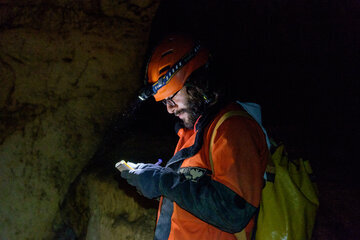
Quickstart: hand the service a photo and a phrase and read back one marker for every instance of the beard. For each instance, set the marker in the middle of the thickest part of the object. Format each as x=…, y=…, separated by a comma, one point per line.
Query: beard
x=194, y=110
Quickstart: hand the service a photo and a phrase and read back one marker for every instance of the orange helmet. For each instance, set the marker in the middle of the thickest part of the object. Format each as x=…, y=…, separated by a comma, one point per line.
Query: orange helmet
x=172, y=62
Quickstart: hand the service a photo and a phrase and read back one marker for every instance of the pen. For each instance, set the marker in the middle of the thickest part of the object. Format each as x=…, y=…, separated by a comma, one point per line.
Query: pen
x=159, y=161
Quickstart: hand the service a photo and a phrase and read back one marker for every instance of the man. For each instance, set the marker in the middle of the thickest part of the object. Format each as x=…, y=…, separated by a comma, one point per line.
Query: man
x=201, y=198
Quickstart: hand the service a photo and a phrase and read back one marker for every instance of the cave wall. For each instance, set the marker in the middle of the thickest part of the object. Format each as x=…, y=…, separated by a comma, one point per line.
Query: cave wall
x=98, y=207
x=66, y=67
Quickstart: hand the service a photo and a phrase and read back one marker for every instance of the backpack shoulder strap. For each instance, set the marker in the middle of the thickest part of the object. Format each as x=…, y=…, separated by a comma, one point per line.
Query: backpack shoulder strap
x=219, y=122
x=240, y=235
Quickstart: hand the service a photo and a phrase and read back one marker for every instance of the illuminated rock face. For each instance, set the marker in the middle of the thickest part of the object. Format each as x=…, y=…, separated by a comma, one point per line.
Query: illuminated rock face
x=96, y=208
x=66, y=68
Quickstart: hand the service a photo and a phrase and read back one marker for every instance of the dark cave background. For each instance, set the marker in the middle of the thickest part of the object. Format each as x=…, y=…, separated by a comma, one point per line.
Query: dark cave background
x=298, y=60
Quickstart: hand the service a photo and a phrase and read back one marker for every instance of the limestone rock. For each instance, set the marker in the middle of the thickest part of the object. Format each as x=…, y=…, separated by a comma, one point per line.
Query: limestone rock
x=66, y=68
x=102, y=208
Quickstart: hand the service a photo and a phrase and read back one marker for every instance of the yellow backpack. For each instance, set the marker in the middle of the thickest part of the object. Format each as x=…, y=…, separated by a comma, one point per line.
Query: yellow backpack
x=289, y=200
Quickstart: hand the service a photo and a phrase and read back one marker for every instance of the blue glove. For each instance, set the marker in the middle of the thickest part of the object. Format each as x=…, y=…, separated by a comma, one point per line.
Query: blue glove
x=139, y=165
x=145, y=177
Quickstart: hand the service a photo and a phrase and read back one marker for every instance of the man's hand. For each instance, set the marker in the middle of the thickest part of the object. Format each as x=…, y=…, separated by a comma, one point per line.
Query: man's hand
x=145, y=177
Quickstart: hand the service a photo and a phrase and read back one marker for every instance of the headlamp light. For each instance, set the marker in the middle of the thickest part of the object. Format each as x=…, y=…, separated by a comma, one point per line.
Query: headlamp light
x=146, y=92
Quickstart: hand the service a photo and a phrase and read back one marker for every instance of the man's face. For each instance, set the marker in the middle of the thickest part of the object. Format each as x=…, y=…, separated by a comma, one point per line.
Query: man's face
x=180, y=106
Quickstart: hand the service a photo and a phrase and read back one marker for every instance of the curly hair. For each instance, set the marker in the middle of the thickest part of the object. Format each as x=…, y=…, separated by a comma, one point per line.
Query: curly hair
x=202, y=92
x=201, y=87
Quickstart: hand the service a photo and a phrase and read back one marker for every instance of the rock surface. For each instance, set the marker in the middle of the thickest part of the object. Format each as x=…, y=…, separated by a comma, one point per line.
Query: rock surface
x=66, y=68
x=96, y=208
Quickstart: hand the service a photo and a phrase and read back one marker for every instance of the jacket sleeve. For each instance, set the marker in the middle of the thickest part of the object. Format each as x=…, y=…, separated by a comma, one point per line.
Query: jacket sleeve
x=229, y=198
x=208, y=200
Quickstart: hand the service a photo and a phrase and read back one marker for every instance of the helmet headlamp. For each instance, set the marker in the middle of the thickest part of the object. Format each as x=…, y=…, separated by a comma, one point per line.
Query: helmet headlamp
x=151, y=90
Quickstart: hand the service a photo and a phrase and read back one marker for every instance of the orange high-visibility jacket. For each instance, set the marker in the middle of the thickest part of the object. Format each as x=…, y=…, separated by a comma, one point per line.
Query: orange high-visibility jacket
x=200, y=204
